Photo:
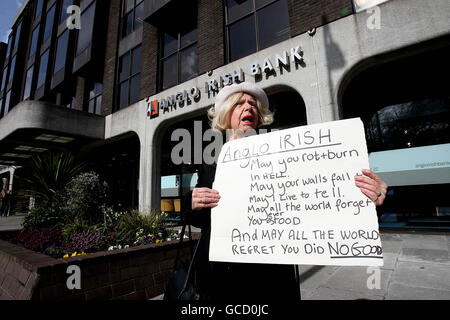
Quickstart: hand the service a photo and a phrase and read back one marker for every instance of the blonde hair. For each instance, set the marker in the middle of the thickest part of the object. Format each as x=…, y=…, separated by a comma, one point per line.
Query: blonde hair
x=220, y=119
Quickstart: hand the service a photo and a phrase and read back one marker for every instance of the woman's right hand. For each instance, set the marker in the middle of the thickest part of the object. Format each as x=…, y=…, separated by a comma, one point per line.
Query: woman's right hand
x=204, y=198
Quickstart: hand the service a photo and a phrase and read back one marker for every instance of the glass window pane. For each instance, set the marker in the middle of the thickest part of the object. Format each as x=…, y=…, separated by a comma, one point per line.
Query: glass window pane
x=64, y=14
x=273, y=24
x=135, y=85
x=85, y=33
x=91, y=107
x=12, y=69
x=27, y=90
x=61, y=51
x=189, y=63
x=170, y=43
x=8, y=50
x=5, y=71
x=98, y=105
x=7, y=100
x=49, y=23
x=188, y=38
x=39, y=6
x=124, y=67
x=127, y=26
x=18, y=30
x=170, y=71
x=242, y=38
x=136, y=60
x=123, y=99
x=260, y=3
x=42, y=69
x=139, y=13
x=34, y=41
x=98, y=88
x=237, y=9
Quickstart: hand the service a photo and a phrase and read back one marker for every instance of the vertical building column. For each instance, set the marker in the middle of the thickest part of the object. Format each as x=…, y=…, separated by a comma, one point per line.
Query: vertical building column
x=149, y=73
x=112, y=42
x=211, y=52
x=79, y=93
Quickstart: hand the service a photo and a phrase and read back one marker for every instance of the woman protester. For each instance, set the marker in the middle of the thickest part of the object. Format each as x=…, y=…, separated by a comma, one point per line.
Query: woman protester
x=242, y=107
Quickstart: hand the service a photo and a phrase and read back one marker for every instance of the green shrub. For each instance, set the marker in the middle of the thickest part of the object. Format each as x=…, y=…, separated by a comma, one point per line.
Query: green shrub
x=78, y=226
x=133, y=224
x=86, y=198
x=42, y=217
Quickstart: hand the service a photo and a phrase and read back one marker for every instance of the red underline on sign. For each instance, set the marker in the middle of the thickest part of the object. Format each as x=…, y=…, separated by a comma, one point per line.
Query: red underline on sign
x=283, y=151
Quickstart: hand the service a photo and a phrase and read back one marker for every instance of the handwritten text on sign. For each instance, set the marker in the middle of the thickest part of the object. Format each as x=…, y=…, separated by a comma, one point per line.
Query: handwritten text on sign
x=289, y=197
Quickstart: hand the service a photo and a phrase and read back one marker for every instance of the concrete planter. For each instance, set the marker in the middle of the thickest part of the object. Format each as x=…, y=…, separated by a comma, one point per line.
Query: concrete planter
x=136, y=273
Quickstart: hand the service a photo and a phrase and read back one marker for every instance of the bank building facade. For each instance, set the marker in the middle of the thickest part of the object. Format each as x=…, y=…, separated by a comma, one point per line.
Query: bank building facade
x=114, y=79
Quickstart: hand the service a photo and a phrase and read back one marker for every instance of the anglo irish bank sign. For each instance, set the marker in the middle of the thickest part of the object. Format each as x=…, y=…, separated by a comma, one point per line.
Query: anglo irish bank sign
x=186, y=97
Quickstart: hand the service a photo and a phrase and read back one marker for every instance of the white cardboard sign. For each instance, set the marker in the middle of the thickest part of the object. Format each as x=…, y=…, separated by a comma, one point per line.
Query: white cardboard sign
x=289, y=197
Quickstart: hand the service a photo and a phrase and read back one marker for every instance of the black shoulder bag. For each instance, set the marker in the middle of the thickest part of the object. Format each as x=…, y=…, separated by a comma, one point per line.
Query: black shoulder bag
x=181, y=285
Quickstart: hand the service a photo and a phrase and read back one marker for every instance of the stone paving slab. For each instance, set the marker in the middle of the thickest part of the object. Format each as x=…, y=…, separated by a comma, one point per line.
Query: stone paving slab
x=11, y=223
x=313, y=276
x=356, y=279
x=325, y=293
x=398, y=291
x=423, y=275
x=425, y=256
x=392, y=246
x=431, y=242
x=389, y=260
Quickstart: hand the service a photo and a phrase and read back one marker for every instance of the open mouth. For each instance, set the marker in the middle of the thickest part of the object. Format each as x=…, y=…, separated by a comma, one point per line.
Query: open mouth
x=247, y=119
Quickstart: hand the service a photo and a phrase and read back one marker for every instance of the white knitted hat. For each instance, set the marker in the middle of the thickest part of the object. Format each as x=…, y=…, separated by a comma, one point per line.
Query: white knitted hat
x=246, y=87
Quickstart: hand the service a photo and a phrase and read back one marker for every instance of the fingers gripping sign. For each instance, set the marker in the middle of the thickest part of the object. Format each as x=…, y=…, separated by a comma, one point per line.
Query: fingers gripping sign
x=372, y=186
x=204, y=198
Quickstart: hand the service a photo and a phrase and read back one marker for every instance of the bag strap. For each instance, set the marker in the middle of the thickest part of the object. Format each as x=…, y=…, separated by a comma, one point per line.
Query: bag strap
x=189, y=273
x=180, y=242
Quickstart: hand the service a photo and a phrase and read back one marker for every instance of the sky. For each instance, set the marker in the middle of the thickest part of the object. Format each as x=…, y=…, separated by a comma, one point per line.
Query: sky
x=8, y=10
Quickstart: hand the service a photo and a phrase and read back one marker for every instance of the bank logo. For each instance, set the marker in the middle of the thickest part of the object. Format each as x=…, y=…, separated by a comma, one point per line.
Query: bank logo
x=153, y=109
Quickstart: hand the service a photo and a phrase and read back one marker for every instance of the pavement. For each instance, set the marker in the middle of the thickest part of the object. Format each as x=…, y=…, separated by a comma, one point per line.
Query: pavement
x=416, y=267
x=11, y=223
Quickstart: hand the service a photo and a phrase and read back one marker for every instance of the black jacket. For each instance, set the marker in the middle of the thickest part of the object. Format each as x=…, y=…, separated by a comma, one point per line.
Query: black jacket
x=235, y=281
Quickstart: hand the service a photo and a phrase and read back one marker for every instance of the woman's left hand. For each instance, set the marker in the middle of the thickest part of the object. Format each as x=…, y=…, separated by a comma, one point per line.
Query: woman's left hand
x=372, y=186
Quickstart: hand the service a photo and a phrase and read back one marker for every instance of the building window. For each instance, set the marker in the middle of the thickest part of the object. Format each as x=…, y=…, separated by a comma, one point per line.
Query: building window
x=49, y=23
x=4, y=78
x=43, y=69
x=12, y=69
x=129, y=78
x=132, y=17
x=8, y=50
x=28, y=83
x=34, y=41
x=17, y=37
x=61, y=51
x=180, y=56
x=70, y=102
x=253, y=25
x=65, y=4
x=85, y=33
x=94, y=103
x=7, y=101
x=39, y=6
